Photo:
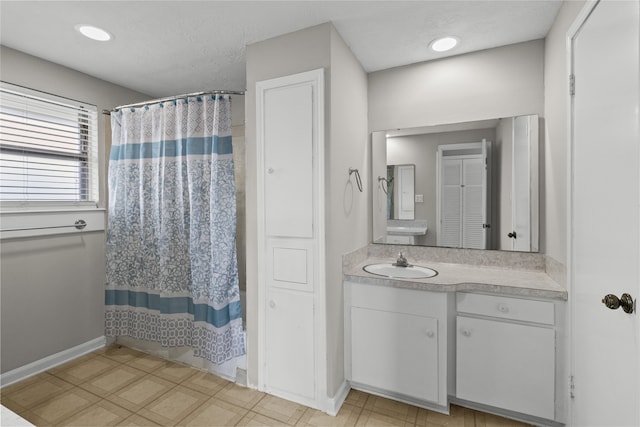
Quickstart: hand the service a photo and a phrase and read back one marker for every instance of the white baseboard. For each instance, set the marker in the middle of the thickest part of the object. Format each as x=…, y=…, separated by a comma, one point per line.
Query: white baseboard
x=335, y=403
x=49, y=362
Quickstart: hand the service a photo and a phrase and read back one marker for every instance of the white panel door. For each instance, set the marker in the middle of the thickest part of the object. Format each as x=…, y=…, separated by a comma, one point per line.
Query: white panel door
x=605, y=220
x=288, y=161
x=290, y=349
x=401, y=356
x=506, y=365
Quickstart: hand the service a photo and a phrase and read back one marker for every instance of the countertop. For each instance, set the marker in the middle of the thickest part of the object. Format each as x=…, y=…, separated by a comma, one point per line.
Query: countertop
x=462, y=277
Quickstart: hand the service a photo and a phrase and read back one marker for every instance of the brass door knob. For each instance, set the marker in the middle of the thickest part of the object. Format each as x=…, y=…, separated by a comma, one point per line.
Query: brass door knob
x=613, y=302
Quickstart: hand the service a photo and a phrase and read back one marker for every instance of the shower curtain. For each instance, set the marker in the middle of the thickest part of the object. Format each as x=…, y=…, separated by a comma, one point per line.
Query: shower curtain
x=172, y=275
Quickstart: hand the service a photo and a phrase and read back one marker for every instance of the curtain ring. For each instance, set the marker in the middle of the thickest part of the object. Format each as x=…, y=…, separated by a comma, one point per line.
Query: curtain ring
x=358, y=180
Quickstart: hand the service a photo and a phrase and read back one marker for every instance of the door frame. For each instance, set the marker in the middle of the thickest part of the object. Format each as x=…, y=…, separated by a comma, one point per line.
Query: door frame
x=581, y=18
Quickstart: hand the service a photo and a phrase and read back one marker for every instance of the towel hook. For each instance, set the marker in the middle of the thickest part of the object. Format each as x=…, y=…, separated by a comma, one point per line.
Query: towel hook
x=384, y=183
x=358, y=180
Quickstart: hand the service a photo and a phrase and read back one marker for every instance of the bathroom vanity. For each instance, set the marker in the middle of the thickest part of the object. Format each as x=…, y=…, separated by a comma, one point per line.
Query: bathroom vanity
x=484, y=337
x=398, y=342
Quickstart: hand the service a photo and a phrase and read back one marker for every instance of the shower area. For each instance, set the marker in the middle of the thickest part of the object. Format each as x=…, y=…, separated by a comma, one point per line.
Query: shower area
x=175, y=237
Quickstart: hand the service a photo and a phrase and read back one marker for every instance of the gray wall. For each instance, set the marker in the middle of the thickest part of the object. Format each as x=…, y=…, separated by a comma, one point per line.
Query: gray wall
x=501, y=82
x=347, y=210
x=379, y=198
x=289, y=54
x=52, y=288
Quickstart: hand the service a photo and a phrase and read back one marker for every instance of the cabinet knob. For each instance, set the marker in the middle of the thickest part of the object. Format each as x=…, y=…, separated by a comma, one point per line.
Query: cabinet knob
x=465, y=332
x=272, y=304
x=270, y=170
x=430, y=334
x=503, y=308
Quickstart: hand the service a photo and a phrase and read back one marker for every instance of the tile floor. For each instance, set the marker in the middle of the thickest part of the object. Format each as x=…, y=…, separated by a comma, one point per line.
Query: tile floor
x=118, y=386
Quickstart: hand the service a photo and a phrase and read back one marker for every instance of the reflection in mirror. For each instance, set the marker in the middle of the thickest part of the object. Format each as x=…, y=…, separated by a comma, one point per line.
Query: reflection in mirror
x=400, y=186
x=465, y=185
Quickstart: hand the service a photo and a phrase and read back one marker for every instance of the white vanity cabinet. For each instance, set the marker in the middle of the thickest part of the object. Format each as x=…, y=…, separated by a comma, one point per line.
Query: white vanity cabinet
x=506, y=353
x=396, y=342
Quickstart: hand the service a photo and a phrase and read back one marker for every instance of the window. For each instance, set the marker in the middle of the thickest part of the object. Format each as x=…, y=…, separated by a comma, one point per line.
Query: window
x=48, y=148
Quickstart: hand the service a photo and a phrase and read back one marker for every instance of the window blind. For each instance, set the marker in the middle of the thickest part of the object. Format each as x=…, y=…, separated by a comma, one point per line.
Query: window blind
x=48, y=147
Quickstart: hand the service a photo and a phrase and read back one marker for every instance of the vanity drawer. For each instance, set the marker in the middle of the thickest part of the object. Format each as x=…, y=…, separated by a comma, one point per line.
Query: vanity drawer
x=407, y=301
x=506, y=308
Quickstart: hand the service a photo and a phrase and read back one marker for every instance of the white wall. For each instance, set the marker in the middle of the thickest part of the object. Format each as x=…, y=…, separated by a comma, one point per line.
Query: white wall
x=52, y=288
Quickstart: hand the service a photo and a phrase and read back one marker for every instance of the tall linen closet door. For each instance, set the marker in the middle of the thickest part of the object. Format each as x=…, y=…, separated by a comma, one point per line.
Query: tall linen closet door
x=289, y=256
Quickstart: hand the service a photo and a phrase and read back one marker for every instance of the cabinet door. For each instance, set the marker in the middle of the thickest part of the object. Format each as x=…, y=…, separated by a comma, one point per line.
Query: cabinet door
x=290, y=350
x=288, y=161
x=506, y=365
x=395, y=352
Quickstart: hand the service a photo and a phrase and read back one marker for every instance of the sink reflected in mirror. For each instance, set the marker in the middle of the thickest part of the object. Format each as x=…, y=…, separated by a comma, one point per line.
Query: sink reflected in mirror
x=395, y=272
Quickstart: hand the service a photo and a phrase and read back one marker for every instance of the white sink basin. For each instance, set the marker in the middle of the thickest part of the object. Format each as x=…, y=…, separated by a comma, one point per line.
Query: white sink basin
x=400, y=230
x=392, y=271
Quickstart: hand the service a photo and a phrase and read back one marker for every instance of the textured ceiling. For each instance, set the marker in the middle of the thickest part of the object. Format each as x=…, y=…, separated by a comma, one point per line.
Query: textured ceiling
x=164, y=48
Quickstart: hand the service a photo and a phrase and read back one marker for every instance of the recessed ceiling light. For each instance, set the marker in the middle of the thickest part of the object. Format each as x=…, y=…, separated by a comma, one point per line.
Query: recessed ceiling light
x=444, y=43
x=94, y=33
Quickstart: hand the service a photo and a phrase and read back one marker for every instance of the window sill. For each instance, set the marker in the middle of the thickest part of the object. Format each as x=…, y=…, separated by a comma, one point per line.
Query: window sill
x=45, y=206
x=35, y=223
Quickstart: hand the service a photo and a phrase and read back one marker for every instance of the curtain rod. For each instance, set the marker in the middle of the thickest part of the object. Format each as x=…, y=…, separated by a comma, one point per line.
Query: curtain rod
x=186, y=95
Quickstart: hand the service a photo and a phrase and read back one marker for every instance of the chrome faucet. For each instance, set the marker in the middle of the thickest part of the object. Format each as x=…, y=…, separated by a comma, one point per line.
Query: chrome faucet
x=401, y=261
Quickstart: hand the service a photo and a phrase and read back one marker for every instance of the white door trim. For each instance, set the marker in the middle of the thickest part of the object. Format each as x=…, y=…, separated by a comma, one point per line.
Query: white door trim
x=571, y=33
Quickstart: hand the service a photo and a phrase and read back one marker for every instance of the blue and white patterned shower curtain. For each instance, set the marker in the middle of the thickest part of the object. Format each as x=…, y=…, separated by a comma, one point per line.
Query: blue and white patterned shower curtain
x=172, y=274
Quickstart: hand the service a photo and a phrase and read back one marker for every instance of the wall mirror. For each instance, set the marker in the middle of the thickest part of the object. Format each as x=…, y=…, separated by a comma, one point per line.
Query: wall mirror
x=463, y=185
